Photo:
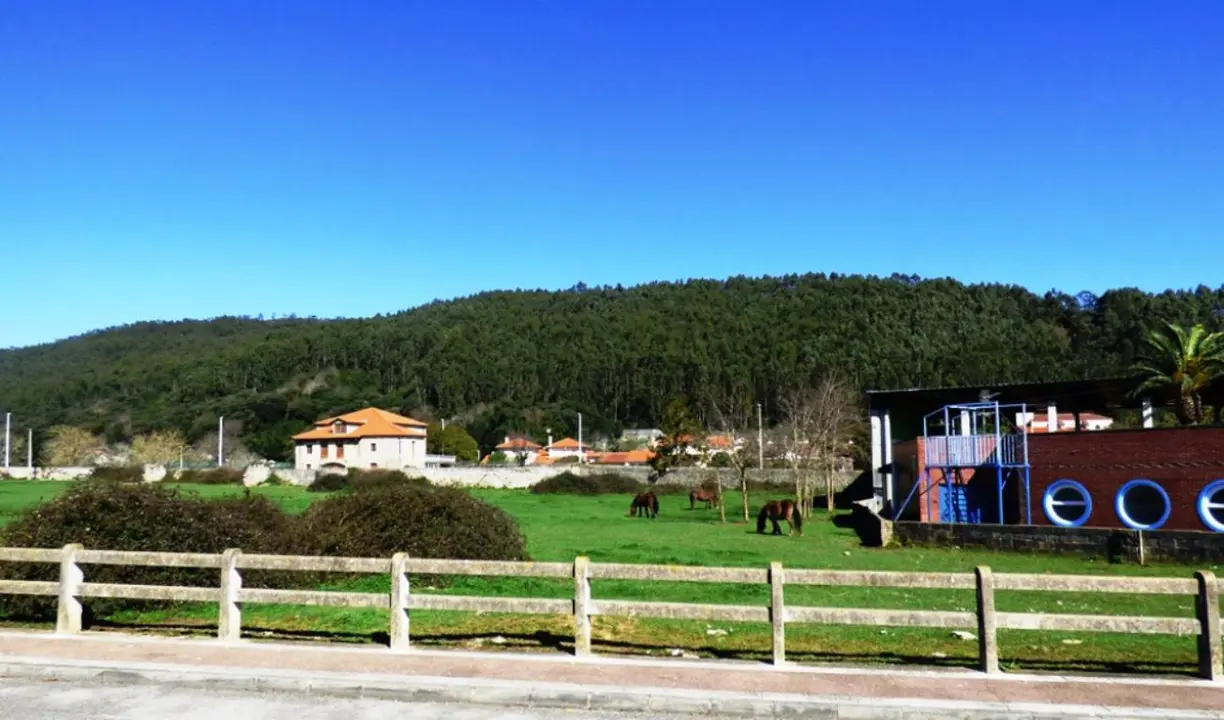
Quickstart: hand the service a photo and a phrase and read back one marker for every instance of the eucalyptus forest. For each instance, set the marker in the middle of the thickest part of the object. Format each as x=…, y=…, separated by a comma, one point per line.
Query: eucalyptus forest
x=526, y=360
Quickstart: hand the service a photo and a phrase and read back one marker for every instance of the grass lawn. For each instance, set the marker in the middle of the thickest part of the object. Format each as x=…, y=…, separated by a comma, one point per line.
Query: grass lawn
x=560, y=527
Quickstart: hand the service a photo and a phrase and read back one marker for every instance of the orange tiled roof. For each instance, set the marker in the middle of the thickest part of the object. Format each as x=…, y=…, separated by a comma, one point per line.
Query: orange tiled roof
x=632, y=457
x=518, y=443
x=361, y=416
x=567, y=444
x=720, y=441
x=370, y=422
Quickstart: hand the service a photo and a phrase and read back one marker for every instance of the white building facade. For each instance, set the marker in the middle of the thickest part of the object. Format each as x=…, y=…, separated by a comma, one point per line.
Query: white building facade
x=366, y=439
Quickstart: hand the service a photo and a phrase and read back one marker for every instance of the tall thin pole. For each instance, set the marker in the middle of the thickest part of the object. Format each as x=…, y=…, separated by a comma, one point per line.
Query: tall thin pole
x=221, y=441
x=8, y=437
x=30, y=448
x=760, y=439
x=581, y=455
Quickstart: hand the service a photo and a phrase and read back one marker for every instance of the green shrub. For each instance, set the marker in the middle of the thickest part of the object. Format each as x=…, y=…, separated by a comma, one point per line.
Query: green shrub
x=569, y=483
x=329, y=482
x=432, y=523
x=215, y=476
x=358, y=479
x=108, y=515
x=375, y=478
x=117, y=473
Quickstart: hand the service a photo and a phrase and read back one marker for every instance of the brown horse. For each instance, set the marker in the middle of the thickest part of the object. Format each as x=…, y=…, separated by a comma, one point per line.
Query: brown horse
x=647, y=503
x=704, y=494
x=776, y=510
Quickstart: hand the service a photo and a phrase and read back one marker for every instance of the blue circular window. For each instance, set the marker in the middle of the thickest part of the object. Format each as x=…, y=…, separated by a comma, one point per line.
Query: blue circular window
x=1142, y=505
x=1067, y=503
x=1211, y=506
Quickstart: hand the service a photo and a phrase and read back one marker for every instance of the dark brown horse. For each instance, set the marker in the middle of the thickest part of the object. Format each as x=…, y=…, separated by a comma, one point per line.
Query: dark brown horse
x=704, y=494
x=776, y=510
x=647, y=503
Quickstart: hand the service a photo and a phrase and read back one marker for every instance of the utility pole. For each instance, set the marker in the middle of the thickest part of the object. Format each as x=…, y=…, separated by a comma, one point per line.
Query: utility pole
x=581, y=455
x=760, y=439
x=8, y=437
x=221, y=441
x=30, y=449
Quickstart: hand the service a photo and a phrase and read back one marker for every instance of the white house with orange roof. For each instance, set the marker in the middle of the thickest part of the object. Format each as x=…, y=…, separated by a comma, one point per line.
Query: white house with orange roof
x=519, y=449
x=567, y=448
x=365, y=439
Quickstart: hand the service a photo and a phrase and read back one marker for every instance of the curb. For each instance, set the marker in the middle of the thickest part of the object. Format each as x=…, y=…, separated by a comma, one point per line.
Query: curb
x=555, y=696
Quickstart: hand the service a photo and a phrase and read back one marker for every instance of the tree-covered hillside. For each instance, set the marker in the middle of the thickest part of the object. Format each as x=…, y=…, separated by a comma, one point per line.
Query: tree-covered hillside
x=526, y=360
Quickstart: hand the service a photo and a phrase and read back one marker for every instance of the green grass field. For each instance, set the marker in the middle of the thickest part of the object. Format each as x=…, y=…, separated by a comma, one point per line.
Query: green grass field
x=558, y=528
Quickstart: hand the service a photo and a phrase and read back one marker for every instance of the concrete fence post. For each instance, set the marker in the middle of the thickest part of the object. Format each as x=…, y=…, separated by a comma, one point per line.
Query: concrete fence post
x=1207, y=607
x=582, y=606
x=400, y=594
x=777, y=611
x=229, y=622
x=988, y=641
x=69, y=610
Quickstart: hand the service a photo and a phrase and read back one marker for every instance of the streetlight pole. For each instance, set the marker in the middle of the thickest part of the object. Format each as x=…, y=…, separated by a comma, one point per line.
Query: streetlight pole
x=581, y=455
x=221, y=441
x=8, y=437
x=760, y=439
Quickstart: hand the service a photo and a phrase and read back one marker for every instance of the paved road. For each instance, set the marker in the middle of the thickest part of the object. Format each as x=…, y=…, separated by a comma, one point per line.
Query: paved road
x=70, y=701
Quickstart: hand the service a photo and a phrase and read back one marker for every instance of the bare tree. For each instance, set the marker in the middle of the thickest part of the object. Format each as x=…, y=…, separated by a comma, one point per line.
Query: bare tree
x=732, y=417
x=823, y=422
x=68, y=446
x=160, y=447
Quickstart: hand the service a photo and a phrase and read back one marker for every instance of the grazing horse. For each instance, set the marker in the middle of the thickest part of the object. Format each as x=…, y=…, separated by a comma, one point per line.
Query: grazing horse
x=647, y=503
x=776, y=510
x=709, y=496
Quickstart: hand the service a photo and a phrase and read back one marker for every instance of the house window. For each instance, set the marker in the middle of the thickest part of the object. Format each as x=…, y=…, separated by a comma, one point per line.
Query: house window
x=323, y=451
x=373, y=447
x=1142, y=505
x=310, y=449
x=1067, y=503
x=337, y=428
x=373, y=465
x=307, y=466
x=339, y=451
x=1211, y=506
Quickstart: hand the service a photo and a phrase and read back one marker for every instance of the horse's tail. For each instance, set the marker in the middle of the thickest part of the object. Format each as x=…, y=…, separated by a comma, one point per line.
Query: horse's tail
x=798, y=518
x=761, y=516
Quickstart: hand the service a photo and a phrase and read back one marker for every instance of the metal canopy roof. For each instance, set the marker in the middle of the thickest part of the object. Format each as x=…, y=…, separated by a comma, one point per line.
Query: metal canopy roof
x=1069, y=395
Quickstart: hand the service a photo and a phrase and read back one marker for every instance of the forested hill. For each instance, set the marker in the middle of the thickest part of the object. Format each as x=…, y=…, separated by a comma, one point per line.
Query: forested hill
x=526, y=359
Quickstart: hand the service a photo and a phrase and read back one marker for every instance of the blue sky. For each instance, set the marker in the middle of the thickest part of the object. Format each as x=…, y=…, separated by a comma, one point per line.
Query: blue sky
x=192, y=158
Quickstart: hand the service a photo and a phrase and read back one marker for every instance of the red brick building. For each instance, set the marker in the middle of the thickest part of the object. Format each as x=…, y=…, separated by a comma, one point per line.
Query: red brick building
x=1143, y=479
x=1091, y=469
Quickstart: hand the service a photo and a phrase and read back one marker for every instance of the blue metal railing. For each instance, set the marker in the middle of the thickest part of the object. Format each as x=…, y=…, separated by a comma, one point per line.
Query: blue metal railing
x=974, y=450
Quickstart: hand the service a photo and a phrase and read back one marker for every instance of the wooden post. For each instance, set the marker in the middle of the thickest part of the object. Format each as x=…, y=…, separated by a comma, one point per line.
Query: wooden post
x=1207, y=608
x=777, y=611
x=229, y=622
x=988, y=642
x=582, y=606
x=400, y=594
x=69, y=611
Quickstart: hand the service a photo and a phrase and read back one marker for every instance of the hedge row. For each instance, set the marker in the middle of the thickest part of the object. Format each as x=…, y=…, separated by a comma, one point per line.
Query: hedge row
x=378, y=520
x=568, y=483
x=356, y=479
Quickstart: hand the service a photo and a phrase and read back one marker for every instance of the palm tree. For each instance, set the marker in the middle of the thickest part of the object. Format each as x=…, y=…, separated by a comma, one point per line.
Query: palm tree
x=1185, y=362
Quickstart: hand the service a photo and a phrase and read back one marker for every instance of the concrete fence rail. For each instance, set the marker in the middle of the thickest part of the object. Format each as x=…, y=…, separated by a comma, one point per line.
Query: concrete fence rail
x=72, y=587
